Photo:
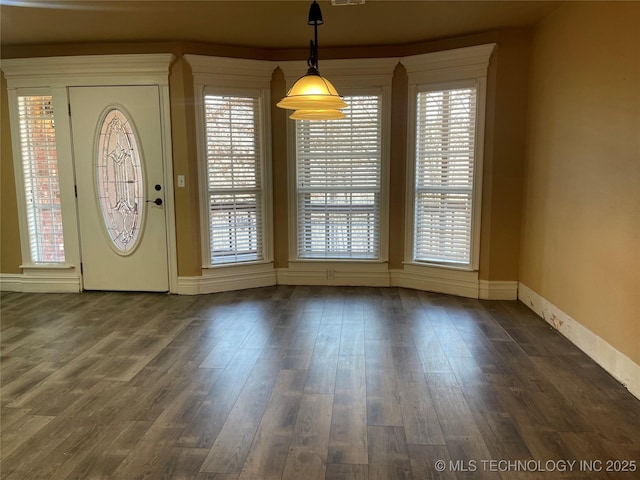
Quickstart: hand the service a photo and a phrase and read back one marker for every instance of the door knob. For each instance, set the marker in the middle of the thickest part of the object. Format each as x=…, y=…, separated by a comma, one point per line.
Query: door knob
x=157, y=201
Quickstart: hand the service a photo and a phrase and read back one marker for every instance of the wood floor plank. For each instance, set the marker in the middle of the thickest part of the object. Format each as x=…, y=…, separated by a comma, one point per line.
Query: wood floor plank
x=420, y=418
x=60, y=462
x=23, y=385
x=347, y=472
x=396, y=470
x=423, y=458
x=348, y=439
x=34, y=449
x=431, y=353
x=456, y=419
x=310, y=441
x=471, y=450
x=296, y=382
x=150, y=456
x=321, y=376
x=228, y=453
x=497, y=427
x=388, y=453
x=383, y=398
x=216, y=476
x=20, y=431
x=387, y=445
x=352, y=335
x=221, y=354
x=269, y=450
x=13, y=367
x=118, y=439
x=9, y=416
x=540, y=393
x=182, y=405
x=181, y=463
x=207, y=422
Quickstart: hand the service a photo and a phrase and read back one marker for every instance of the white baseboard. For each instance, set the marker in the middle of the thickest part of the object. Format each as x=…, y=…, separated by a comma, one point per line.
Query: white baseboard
x=40, y=283
x=441, y=280
x=417, y=277
x=453, y=282
x=621, y=367
x=335, y=273
x=498, y=290
x=10, y=282
x=224, y=279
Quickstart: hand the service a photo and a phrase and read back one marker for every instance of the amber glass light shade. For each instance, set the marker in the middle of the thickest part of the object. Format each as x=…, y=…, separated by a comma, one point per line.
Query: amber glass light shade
x=312, y=92
x=313, y=96
x=328, y=114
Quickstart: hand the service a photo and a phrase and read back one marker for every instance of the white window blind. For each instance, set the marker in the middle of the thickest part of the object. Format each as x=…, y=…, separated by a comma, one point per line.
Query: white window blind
x=40, y=170
x=338, y=182
x=234, y=178
x=445, y=157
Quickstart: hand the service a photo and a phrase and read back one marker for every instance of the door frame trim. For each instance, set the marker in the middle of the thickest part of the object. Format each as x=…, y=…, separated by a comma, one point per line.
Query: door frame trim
x=58, y=74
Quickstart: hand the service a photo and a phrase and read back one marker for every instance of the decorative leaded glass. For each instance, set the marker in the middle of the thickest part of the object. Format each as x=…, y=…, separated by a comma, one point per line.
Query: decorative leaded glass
x=120, y=184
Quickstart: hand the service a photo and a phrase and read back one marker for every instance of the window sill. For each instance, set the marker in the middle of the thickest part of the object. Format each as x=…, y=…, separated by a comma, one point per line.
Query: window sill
x=47, y=266
x=438, y=266
x=248, y=264
x=338, y=260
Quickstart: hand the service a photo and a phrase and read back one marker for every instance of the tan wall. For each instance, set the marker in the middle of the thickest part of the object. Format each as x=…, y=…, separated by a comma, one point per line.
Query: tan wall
x=504, y=142
x=397, y=166
x=280, y=172
x=185, y=162
x=10, y=255
x=504, y=157
x=581, y=228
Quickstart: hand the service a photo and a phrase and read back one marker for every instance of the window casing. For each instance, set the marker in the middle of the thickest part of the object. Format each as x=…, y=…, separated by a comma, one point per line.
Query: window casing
x=233, y=137
x=40, y=178
x=444, y=174
x=446, y=117
x=234, y=178
x=338, y=182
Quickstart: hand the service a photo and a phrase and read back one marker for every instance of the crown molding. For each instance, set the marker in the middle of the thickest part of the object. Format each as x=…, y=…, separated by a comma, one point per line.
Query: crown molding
x=88, y=70
x=468, y=62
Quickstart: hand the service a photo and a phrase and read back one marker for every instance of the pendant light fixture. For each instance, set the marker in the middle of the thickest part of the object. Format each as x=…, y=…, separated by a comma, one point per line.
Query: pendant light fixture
x=312, y=96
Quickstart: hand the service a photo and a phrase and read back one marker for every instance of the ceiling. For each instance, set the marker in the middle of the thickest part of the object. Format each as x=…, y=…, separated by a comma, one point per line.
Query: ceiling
x=264, y=24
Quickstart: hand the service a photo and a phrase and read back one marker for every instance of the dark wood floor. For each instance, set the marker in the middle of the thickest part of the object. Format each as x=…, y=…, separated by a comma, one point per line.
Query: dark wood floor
x=300, y=383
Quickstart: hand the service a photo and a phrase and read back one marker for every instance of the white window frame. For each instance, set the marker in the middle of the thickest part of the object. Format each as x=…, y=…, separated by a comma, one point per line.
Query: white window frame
x=53, y=76
x=258, y=190
x=65, y=272
x=447, y=69
x=234, y=77
x=26, y=211
x=350, y=77
x=347, y=93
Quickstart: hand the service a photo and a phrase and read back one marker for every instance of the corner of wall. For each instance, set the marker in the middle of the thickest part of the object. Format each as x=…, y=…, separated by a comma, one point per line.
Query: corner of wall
x=621, y=367
x=10, y=250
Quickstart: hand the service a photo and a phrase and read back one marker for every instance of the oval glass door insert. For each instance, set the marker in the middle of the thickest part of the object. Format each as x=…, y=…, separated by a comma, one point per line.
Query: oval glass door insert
x=120, y=184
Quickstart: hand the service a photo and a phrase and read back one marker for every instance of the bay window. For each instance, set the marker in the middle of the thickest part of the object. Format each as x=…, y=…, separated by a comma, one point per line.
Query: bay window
x=338, y=182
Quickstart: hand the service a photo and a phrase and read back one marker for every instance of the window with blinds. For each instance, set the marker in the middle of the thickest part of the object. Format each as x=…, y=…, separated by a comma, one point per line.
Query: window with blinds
x=233, y=162
x=338, y=182
x=41, y=186
x=445, y=155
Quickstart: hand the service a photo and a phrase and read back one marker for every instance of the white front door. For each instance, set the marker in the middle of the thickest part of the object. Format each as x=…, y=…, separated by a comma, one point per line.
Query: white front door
x=118, y=158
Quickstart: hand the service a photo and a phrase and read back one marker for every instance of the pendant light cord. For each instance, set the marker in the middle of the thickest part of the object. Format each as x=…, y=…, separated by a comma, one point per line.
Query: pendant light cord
x=315, y=19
